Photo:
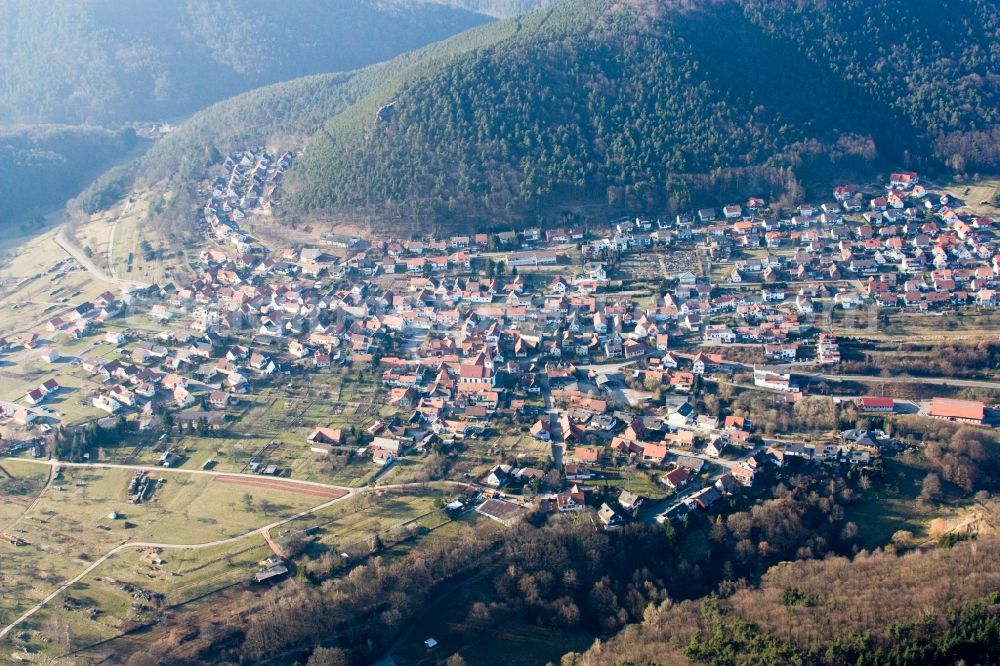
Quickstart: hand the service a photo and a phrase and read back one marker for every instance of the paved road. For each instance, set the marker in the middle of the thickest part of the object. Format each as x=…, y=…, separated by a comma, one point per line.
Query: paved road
x=872, y=379
x=83, y=260
x=940, y=381
x=180, y=470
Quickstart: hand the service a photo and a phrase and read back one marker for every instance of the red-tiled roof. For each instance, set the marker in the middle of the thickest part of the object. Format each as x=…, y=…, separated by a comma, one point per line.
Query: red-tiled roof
x=877, y=403
x=957, y=409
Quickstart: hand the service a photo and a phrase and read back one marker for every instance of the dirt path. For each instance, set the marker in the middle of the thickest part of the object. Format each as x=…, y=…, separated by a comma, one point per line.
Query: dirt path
x=282, y=484
x=111, y=238
x=315, y=488
x=33, y=503
x=166, y=546
x=270, y=543
x=82, y=259
x=249, y=478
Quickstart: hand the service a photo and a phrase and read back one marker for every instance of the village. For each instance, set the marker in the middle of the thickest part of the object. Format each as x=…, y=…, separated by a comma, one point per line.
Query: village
x=594, y=347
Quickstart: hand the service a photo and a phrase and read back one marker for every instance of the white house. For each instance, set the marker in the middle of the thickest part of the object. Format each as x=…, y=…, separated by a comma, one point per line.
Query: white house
x=106, y=403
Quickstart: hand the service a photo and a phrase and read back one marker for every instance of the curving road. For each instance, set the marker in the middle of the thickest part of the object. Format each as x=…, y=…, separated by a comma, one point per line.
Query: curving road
x=82, y=259
x=150, y=544
x=264, y=530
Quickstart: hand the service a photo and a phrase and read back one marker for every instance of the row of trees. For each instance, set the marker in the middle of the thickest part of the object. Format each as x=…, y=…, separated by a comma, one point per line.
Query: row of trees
x=949, y=360
x=72, y=444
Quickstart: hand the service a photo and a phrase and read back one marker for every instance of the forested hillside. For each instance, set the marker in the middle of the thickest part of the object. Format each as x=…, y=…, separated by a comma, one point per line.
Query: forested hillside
x=935, y=63
x=779, y=578
x=110, y=61
x=293, y=110
x=43, y=165
x=638, y=104
x=936, y=607
x=286, y=114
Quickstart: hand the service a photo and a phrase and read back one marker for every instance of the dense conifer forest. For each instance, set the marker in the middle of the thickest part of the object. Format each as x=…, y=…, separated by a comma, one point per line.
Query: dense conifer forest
x=629, y=103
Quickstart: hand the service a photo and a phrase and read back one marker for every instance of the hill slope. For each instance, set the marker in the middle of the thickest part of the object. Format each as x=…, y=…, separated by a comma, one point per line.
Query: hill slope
x=622, y=104
x=284, y=114
x=41, y=166
x=934, y=607
x=109, y=61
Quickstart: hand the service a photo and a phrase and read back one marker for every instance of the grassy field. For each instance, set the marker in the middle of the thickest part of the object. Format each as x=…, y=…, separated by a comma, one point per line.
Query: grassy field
x=644, y=484
x=887, y=508
x=393, y=516
x=974, y=194
x=99, y=608
x=29, y=306
x=70, y=526
x=967, y=325
x=102, y=606
x=169, y=258
x=20, y=484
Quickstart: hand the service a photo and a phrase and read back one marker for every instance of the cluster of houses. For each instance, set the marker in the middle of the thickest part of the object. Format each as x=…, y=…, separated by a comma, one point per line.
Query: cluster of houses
x=386, y=441
x=80, y=321
x=466, y=327
x=149, y=376
x=687, y=474
x=906, y=246
x=251, y=184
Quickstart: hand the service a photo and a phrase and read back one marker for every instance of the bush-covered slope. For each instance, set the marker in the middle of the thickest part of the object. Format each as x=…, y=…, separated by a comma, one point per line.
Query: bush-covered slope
x=109, y=61
x=621, y=102
x=936, y=607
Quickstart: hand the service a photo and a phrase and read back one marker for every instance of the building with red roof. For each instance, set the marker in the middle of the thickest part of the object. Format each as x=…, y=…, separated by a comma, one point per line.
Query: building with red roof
x=966, y=411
